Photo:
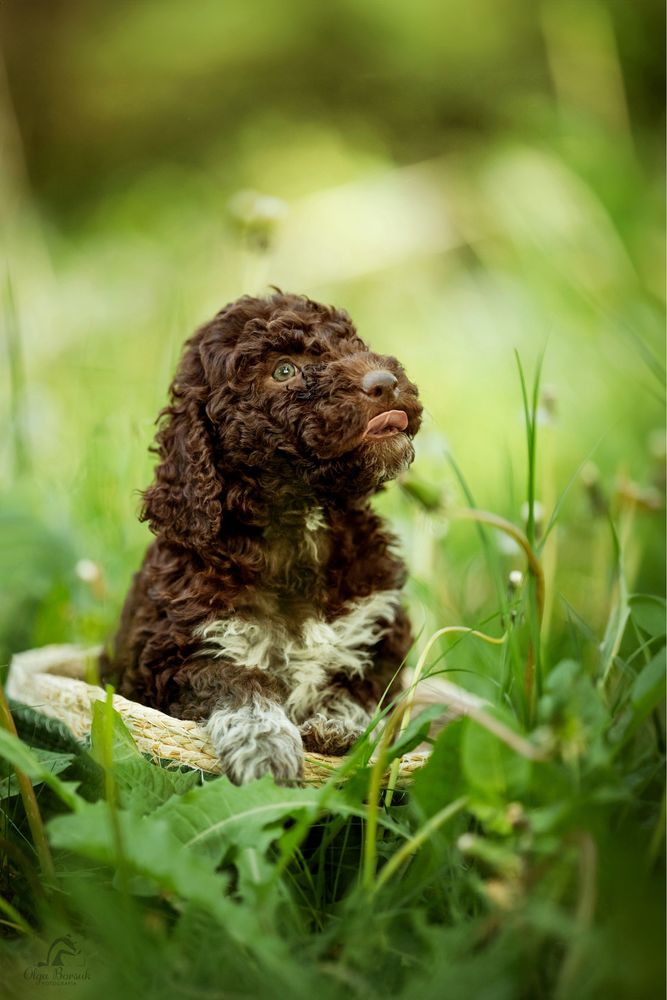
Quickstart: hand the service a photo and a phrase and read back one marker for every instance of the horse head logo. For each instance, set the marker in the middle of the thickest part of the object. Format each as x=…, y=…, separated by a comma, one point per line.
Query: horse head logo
x=61, y=949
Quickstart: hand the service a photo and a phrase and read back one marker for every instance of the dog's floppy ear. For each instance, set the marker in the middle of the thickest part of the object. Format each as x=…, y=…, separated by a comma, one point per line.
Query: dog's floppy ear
x=184, y=502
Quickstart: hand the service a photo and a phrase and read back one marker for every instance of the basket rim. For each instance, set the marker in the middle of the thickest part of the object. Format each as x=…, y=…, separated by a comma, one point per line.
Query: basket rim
x=56, y=680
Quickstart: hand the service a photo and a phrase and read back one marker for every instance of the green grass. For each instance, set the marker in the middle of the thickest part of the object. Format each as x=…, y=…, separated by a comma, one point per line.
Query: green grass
x=524, y=860
x=527, y=859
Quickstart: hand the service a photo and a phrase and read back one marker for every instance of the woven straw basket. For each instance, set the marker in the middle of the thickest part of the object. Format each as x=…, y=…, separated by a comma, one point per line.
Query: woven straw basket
x=52, y=680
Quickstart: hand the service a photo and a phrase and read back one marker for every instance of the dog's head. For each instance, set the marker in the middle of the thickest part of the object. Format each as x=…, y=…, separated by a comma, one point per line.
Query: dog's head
x=278, y=398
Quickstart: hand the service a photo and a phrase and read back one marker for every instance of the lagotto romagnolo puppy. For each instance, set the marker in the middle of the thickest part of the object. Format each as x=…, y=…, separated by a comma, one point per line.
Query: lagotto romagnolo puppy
x=268, y=605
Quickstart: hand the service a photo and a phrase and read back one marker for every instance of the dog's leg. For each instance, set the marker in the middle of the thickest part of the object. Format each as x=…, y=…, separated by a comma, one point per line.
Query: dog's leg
x=243, y=713
x=256, y=738
x=334, y=727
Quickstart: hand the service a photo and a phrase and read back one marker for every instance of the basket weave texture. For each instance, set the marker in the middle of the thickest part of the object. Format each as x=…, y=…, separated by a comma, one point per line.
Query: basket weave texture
x=52, y=680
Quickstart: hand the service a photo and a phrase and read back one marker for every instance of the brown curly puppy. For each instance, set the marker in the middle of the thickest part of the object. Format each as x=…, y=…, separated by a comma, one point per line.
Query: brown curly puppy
x=268, y=604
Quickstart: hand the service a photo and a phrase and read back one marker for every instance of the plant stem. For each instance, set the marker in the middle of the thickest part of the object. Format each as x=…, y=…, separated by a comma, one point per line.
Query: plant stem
x=17, y=382
x=15, y=921
x=533, y=661
x=534, y=565
x=29, y=800
x=14, y=852
x=110, y=789
x=416, y=677
x=370, y=846
x=588, y=863
x=658, y=834
x=411, y=846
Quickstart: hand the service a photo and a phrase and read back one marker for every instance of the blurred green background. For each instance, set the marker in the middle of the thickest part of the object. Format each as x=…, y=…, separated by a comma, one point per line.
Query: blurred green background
x=466, y=178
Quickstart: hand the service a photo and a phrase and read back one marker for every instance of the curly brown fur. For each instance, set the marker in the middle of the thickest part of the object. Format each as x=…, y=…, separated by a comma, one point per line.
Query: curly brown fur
x=269, y=598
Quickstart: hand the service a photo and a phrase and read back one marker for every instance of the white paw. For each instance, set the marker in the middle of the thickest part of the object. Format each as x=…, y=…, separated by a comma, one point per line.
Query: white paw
x=255, y=740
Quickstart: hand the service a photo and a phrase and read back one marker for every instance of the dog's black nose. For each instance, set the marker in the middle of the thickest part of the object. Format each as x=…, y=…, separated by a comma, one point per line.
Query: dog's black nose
x=379, y=383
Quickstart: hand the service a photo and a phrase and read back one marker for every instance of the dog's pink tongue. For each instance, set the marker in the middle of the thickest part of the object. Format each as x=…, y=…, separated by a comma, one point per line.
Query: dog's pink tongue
x=397, y=419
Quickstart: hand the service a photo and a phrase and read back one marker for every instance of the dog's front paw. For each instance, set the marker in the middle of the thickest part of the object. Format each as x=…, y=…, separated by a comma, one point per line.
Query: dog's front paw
x=328, y=736
x=256, y=740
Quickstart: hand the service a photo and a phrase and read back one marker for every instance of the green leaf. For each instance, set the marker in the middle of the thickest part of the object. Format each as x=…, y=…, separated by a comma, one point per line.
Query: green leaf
x=427, y=495
x=122, y=744
x=53, y=762
x=560, y=680
x=619, y=614
x=43, y=733
x=220, y=819
x=218, y=814
x=152, y=850
x=491, y=767
x=649, y=612
x=648, y=689
x=415, y=732
x=441, y=780
x=39, y=730
x=140, y=784
x=575, y=711
x=27, y=760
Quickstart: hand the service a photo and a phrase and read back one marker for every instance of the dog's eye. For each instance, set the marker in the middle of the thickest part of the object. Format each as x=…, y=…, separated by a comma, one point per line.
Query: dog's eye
x=284, y=371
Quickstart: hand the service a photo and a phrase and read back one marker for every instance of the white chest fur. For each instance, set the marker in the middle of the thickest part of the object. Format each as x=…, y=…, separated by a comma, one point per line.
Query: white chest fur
x=305, y=662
